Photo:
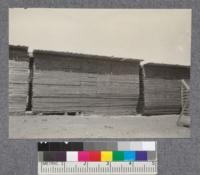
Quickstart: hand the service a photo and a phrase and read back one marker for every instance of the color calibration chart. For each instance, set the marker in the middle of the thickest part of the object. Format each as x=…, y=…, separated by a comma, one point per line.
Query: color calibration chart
x=97, y=158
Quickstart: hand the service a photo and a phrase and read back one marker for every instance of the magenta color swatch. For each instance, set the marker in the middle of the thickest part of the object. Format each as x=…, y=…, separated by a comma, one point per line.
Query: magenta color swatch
x=83, y=156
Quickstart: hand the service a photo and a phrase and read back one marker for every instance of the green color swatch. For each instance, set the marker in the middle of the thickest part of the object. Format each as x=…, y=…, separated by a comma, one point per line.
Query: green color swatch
x=118, y=155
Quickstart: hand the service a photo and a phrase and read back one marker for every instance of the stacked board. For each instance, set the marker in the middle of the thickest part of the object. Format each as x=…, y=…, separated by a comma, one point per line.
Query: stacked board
x=18, y=79
x=141, y=92
x=65, y=82
x=162, y=88
x=185, y=98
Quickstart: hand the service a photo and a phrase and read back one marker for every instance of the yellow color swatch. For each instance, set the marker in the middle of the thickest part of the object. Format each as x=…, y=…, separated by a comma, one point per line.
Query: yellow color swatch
x=106, y=156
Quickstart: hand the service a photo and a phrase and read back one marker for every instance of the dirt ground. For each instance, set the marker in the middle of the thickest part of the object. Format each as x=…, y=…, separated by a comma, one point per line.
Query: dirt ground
x=58, y=126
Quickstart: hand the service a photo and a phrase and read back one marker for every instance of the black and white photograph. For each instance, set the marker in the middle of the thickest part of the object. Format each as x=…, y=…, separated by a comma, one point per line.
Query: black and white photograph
x=99, y=73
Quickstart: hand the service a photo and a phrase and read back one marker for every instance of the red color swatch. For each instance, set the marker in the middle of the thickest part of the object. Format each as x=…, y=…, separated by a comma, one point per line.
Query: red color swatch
x=95, y=156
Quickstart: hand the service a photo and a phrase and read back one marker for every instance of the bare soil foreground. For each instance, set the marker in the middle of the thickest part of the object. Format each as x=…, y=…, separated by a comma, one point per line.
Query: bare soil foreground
x=64, y=126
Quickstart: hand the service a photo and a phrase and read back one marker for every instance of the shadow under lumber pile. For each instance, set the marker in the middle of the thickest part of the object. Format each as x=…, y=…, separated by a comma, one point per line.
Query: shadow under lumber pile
x=90, y=84
x=162, y=88
x=18, y=79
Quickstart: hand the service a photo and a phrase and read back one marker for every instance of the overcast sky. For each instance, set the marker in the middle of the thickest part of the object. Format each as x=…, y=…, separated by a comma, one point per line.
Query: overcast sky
x=162, y=36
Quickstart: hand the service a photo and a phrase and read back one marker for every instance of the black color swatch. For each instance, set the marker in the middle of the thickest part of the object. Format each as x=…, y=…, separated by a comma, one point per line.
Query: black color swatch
x=42, y=146
x=58, y=146
x=75, y=146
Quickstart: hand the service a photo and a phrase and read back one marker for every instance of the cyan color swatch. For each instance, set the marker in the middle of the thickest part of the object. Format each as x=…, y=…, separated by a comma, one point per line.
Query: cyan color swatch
x=129, y=155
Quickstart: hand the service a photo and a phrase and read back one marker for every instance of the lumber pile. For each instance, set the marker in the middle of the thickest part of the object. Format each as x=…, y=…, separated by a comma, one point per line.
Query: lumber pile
x=84, y=83
x=162, y=88
x=162, y=96
x=18, y=79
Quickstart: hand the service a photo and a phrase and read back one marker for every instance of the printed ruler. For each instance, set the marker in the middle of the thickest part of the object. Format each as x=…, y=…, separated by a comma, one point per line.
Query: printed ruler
x=97, y=168
x=72, y=159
